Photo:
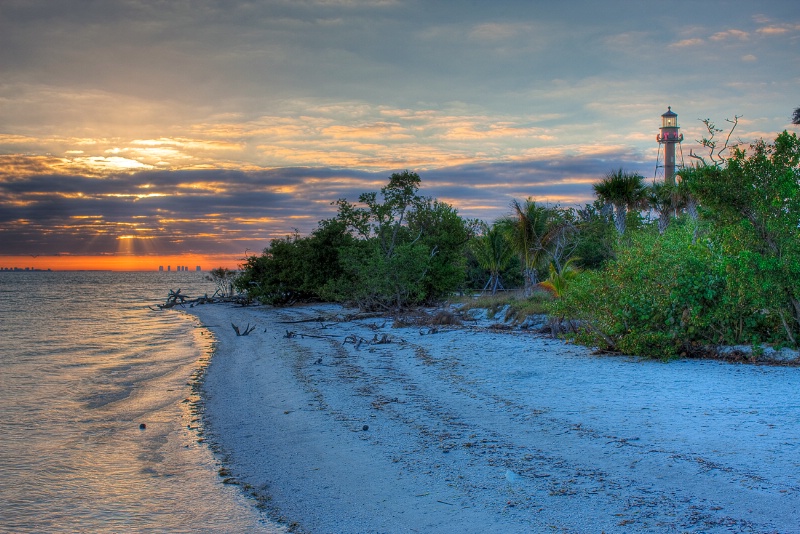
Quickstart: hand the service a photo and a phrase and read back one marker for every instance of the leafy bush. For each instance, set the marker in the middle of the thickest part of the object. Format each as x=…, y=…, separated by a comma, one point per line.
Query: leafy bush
x=223, y=279
x=392, y=250
x=664, y=295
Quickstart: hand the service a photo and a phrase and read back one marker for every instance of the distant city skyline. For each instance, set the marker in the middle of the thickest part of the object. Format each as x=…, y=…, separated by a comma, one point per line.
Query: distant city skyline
x=137, y=134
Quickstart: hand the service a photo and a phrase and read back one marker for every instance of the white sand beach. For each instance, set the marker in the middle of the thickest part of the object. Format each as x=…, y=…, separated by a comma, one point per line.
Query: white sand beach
x=469, y=429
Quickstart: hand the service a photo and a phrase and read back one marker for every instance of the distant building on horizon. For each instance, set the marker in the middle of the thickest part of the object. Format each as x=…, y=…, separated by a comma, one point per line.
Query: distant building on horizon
x=179, y=268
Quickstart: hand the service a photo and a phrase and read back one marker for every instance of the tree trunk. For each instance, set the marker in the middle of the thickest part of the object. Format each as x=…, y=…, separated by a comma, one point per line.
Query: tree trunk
x=619, y=219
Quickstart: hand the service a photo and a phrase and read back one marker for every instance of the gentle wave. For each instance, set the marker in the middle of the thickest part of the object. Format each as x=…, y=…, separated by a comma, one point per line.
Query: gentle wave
x=83, y=363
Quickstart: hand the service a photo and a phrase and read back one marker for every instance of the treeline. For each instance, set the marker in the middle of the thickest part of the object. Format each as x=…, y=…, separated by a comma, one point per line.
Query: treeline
x=652, y=270
x=392, y=250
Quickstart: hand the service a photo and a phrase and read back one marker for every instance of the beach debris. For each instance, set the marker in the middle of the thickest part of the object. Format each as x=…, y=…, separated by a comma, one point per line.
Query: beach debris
x=290, y=334
x=429, y=332
x=246, y=331
x=357, y=341
x=318, y=361
x=176, y=298
x=383, y=340
x=173, y=299
x=318, y=319
x=365, y=428
x=142, y=426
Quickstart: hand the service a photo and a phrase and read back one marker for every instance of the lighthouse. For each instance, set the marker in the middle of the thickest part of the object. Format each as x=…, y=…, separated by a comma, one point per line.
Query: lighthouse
x=669, y=137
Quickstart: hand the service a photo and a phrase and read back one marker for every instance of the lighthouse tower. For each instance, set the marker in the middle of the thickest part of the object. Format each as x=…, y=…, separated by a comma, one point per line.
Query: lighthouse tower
x=669, y=137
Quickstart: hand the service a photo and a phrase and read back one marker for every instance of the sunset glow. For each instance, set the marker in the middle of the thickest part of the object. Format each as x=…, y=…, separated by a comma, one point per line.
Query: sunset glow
x=119, y=263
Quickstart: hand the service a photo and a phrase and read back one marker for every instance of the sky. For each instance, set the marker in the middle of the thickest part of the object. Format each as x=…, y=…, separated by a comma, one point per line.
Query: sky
x=141, y=133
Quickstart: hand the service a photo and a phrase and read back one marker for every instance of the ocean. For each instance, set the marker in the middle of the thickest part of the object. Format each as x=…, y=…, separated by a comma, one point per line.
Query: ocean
x=99, y=430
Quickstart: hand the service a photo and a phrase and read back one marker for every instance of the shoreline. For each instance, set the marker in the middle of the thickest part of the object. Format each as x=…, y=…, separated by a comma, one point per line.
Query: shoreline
x=475, y=430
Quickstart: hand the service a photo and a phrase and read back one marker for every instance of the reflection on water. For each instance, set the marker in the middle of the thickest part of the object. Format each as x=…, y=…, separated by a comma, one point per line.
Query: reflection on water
x=84, y=363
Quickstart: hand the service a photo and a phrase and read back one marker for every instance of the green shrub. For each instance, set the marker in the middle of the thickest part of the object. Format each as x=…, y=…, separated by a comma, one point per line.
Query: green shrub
x=392, y=250
x=664, y=294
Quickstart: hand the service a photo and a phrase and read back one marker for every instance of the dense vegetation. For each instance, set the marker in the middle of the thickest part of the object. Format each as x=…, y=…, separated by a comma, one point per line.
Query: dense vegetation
x=730, y=276
x=653, y=270
x=391, y=250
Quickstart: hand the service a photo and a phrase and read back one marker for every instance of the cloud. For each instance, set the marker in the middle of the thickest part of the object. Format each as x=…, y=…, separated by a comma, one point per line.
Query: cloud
x=225, y=211
x=496, y=31
x=694, y=41
x=730, y=34
x=778, y=29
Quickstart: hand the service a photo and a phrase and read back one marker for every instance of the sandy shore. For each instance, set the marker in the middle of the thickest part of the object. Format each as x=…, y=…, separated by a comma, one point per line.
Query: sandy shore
x=472, y=430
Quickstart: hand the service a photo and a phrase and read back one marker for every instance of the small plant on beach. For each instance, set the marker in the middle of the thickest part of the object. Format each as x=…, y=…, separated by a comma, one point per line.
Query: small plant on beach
x=223, y=279
x=559, y=279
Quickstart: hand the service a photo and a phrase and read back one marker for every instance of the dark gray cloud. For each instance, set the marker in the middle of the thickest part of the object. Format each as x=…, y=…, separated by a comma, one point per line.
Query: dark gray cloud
x=223, y=211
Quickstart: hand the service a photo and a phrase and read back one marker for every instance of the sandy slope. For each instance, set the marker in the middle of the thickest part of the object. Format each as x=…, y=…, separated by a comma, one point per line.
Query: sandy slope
x=469, y=430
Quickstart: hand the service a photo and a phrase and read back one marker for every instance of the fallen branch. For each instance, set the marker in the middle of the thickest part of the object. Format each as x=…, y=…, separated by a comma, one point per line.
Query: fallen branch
x=247, y=329
x=355, y=340
x=176, y=298
x=383, y=340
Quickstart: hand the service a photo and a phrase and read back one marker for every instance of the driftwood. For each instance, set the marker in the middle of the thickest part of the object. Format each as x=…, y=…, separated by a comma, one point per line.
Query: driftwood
x=357, y=341
x=176, y=298
x=246, y=331
x=173, y=299
x=290, y=334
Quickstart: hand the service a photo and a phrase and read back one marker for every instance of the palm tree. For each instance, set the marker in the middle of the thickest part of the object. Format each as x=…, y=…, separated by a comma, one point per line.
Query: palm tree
x=559, y=280
x=623, y=191
x=685, y=198
x=532, y=230
x=663, y=198
x=493, y=252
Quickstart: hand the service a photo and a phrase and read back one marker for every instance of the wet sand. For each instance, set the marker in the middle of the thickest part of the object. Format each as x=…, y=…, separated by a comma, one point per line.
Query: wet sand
x=468, y=429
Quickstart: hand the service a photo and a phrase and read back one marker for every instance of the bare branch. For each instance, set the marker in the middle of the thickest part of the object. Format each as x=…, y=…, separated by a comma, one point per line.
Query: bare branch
x=735, y=122
x=716, y=159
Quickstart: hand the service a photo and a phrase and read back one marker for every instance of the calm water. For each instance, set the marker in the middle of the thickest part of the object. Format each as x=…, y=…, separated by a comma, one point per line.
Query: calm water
x=83, y=362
